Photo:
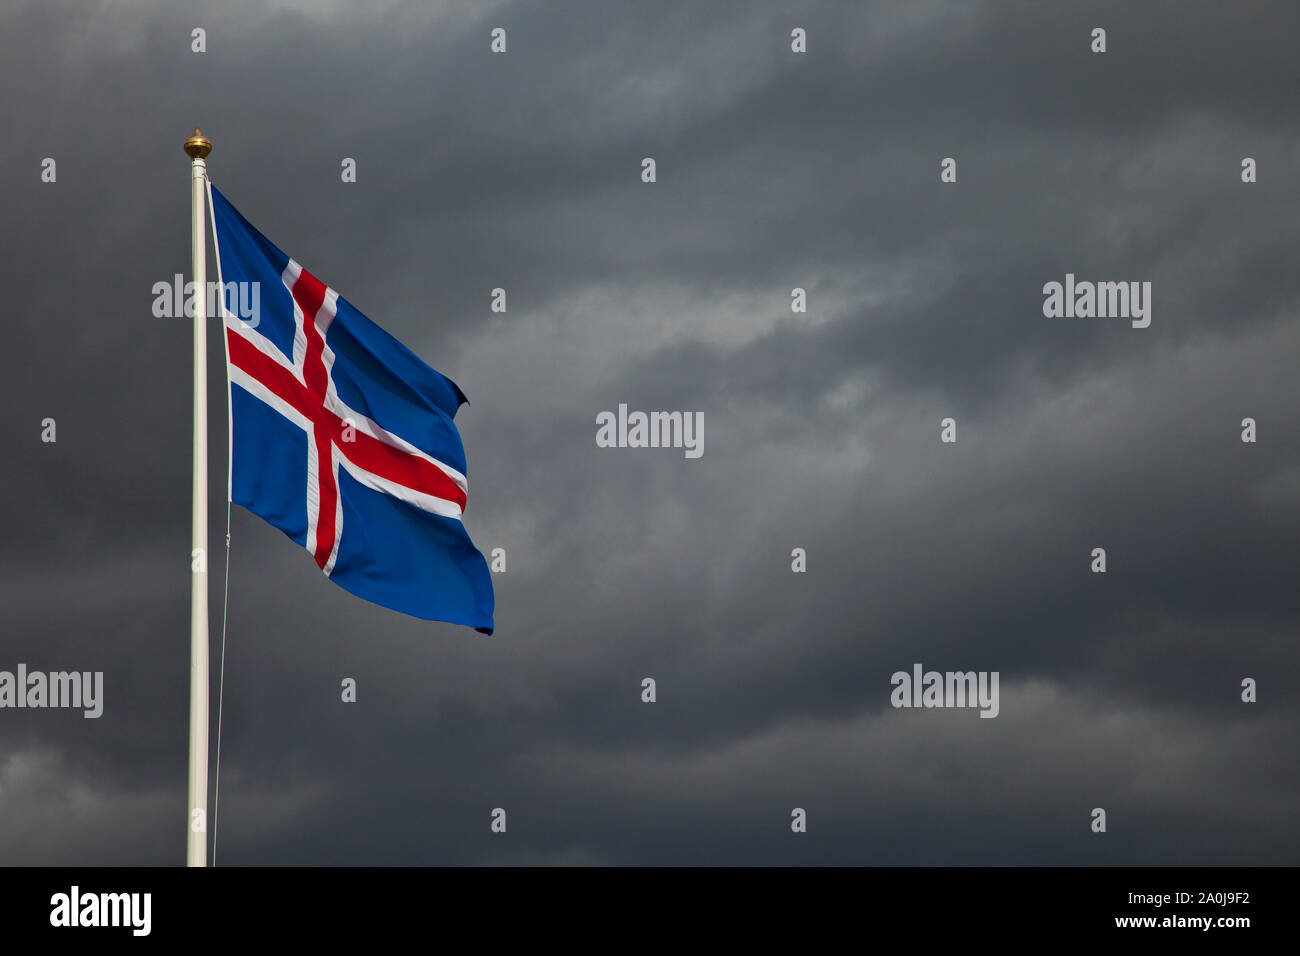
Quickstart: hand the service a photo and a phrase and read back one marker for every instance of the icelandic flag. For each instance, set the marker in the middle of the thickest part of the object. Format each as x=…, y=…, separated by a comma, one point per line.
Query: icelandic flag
x=343, y=439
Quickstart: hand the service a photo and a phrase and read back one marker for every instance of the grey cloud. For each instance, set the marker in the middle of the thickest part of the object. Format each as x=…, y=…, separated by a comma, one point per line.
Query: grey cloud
x=775, y=171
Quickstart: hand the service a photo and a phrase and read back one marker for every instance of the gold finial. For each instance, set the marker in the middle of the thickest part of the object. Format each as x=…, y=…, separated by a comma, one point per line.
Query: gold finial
x=198, y=145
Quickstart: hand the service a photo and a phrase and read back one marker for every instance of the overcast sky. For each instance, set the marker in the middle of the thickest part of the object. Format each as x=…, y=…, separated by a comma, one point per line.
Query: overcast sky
x=775, y=170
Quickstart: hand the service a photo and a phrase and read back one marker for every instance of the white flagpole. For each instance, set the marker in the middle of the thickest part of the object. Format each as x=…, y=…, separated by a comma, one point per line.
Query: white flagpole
x=197, y=147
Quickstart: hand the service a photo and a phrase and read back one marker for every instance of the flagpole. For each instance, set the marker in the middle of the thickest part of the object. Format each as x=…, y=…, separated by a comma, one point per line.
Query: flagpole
x=197, y=148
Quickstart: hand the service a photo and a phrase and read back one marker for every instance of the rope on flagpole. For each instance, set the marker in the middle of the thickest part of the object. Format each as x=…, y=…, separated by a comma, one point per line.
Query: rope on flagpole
x=225, y=601
x=221, y=684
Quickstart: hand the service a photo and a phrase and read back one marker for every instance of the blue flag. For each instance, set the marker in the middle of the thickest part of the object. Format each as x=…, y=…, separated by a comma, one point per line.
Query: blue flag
x=343, y=439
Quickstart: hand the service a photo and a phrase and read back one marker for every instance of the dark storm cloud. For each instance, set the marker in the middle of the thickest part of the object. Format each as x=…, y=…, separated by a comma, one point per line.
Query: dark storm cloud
x=775, y=171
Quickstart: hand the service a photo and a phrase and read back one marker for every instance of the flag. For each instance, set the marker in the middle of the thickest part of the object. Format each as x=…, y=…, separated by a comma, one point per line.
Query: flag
x=343, y=438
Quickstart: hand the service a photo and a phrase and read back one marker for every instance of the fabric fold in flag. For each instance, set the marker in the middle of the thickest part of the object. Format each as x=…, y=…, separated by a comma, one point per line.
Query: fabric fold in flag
x=344, y=439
